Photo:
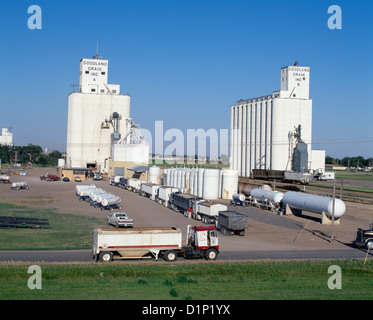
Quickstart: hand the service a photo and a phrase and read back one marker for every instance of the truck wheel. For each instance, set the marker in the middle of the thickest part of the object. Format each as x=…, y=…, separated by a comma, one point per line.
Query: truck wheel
x=211, y=254
x=105, y=256
x=170, y=256
x=224, y=231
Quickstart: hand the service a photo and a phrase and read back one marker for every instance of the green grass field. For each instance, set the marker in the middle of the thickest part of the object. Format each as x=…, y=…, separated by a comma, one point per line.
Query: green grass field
x=354, y=175
x=66, y=231
x=195, y=280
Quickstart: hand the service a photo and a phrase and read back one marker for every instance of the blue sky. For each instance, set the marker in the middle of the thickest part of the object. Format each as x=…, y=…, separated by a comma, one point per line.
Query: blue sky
x=186, y=62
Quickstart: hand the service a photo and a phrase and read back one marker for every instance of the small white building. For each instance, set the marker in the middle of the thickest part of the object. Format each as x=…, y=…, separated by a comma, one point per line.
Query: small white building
x=6, y=138
x=265, y=130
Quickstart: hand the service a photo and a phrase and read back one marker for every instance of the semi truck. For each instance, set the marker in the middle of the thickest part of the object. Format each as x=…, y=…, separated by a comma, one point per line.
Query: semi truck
x=164, y=193
x=364, y=238
x=182, y=202
x=149, y=190
x=114, y=180
x=166, y=242
x=231, y=222
x=122, y=183
x=207, y=211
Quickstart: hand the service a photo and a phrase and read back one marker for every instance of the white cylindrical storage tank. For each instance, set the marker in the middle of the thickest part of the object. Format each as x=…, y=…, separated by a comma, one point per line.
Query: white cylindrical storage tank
x=171, y=175
x=273, y=196
x=178, y=181
x=200, y=183
x=182, y=182
x=191, y=182
x=240, y=197
x=312, y=203
x=154, y=173
x=210, y=184
x=229, y=183
x=220, y=183
x=187, y=181
x=174, y=178
x=195, y=187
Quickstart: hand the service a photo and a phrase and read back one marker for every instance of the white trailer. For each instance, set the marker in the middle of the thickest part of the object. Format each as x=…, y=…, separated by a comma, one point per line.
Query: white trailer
x=207, y=211
x=133, y=184
x=109, y=244
x=114, y=180
x=163, y=194
x=149, y=190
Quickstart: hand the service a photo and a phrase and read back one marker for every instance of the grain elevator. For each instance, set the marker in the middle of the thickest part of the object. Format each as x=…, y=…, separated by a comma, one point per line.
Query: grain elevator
x=274, y=132
x=99, y=127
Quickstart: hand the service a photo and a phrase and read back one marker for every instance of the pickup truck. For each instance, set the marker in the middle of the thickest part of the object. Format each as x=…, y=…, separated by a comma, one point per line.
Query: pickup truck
x=120, y=219
x=51, y=178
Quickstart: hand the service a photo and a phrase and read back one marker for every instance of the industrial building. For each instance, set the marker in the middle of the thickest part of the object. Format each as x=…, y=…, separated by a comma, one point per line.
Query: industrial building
x=6, y=138
x=274, y=132
x=100, y=131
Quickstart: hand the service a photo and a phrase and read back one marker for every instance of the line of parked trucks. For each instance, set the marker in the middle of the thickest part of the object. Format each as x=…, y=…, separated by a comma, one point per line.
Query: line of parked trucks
x=227, y=222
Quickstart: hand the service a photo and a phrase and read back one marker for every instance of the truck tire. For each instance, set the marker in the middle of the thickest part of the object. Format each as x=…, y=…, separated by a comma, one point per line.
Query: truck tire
x=105, y=256
x=170, y=256
x=211, y=254
x=224, y=231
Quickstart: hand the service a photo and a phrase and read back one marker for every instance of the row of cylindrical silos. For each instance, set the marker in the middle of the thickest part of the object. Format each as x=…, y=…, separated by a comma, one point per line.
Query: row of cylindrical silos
x=201, y=182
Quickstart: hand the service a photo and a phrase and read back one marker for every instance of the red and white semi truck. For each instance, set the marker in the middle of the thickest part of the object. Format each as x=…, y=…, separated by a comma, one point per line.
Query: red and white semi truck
x=167, y=243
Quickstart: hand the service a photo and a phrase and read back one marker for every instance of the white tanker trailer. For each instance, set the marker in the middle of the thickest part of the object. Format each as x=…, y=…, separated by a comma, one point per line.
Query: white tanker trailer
x=267, y=195
x=313, y=203
x=19, y=185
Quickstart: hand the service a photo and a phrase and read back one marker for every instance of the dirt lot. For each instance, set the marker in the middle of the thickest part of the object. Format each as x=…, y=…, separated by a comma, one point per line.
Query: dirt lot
x=267, y=231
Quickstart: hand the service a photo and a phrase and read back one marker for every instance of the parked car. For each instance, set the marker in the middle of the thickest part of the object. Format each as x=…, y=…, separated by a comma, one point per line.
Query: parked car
x=66, y=179
x=78, y=179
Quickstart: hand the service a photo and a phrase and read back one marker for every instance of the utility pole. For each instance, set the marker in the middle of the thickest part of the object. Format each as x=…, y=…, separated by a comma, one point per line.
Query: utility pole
x=333, y=208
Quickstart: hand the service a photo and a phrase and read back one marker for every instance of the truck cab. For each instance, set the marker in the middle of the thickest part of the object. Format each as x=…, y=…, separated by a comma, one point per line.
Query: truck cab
x=202, y=242
x=364, y=238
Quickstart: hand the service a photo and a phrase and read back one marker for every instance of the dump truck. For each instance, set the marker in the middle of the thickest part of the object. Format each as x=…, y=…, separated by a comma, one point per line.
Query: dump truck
x=149, y=190
x=207, y=211
x=166, y=242
x=231, y=222
x=164, y=193
x=182, y=202
x=364, y=238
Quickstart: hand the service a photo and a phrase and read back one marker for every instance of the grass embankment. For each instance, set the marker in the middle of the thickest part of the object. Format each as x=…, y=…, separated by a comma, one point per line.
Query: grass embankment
x=195, y=280
x=66, y=231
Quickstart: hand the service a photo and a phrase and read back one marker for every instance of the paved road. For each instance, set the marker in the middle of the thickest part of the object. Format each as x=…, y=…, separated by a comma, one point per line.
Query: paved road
x=85, y=255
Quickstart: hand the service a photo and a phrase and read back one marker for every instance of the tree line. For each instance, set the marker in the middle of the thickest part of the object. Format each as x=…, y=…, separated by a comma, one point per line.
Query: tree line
x=30, y=153
x=350, y=161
